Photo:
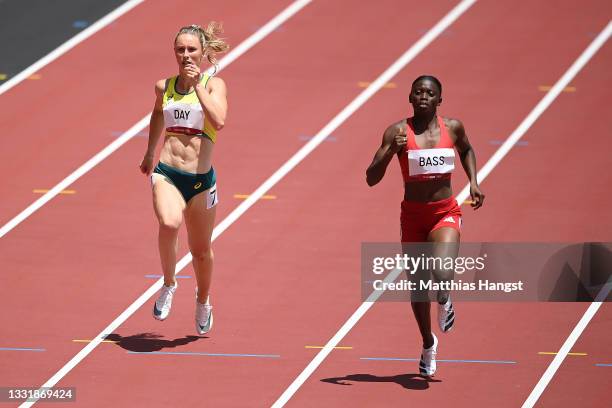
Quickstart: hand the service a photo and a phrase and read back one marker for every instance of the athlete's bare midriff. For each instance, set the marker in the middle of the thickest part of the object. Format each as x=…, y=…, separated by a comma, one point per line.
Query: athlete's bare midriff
x=192, y=154
x=428, y=191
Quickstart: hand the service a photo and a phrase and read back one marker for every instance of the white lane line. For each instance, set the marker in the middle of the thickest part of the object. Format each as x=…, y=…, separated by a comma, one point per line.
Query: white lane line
x=141, y=124
x=512, y=139
x=334, y=341
x=84, y=168
x=71, y=43
x=548, y=99
x=569, y=75
x=259, y=35
x=539, y=388
x=567, y=346
x=541, y=107
x=232, y=56
x=272, y=180
x=385, y=77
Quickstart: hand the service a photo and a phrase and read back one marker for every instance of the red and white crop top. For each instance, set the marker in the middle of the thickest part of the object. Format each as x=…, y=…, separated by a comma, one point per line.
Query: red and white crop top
x=436, y=163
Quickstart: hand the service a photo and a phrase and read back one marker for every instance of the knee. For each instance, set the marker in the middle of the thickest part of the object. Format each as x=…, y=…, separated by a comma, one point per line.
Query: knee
x=203, y=255
x=169, y=224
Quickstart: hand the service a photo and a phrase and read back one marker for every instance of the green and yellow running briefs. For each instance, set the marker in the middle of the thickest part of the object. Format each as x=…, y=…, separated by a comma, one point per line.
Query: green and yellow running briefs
x=190, y=184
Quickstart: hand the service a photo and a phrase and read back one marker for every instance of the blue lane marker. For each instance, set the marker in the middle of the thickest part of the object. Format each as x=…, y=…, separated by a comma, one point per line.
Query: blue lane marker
x=330, y=138
x=500, y=142
x=441, y=361
x=161, y=276
x=184, y=353
x=80, y=24
x=21, y=349
x=603, y=365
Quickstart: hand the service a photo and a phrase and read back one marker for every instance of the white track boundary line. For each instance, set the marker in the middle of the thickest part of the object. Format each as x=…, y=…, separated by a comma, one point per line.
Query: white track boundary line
x=461, y=197
x=541, y=107
x=141, y=124
x=232, y=56
x=408, y=56
x=554, y=365
x=567, y=346
x=271, y=181
x=68, y=45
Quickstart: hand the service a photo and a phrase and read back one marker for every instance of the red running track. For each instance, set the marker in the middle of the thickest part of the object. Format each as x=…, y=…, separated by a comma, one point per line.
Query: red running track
x=287, y=270
x=383, y=333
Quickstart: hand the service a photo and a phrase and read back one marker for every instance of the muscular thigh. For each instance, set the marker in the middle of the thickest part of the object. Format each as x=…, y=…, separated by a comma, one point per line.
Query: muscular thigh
x=167, y=202
x=200, y=221
x=445, y=242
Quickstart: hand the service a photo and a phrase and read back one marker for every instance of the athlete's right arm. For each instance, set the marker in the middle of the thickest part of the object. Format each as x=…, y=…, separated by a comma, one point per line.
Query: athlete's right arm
x=393, y=140
x=156, y=127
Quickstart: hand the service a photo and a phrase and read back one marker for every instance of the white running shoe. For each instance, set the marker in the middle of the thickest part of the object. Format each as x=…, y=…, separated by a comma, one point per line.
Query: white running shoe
x=446, y=316
x=161, y=307
x=203, y=317
x=427, y=364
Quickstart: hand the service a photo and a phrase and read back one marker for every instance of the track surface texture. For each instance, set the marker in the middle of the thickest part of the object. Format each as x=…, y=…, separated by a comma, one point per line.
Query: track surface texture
x=287, y=271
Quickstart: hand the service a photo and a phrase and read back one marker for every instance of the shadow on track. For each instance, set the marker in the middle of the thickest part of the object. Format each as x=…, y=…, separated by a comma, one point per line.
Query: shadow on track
x=148, y=342
x=408, y=381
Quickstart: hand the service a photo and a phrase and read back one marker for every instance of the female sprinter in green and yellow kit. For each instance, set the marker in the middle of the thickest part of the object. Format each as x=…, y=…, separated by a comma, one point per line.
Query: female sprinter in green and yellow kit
x=189, y=109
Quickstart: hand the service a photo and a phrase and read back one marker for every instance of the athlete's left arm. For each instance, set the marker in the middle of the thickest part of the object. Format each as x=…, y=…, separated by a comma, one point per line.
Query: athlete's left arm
x=468, y=160
x=213, y=99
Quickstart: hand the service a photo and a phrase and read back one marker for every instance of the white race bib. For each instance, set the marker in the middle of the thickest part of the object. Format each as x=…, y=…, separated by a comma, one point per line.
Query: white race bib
x=184, y=115
x=431, y=161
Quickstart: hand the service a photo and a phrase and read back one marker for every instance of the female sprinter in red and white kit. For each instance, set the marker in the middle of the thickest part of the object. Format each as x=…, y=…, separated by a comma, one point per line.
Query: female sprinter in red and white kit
x=425, y=145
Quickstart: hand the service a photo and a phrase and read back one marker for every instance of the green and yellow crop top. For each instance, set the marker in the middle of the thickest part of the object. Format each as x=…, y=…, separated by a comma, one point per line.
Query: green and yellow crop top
x=183, y=113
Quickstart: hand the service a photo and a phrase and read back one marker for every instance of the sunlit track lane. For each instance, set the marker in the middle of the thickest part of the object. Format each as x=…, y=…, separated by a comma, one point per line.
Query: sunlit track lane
x=562, y=173
x=555, y=186
x=66, y=262
x=239, y=280
x=104, y=284
x=391, y=330
x=177, y=329
x=579, y=380
x=99, y=89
